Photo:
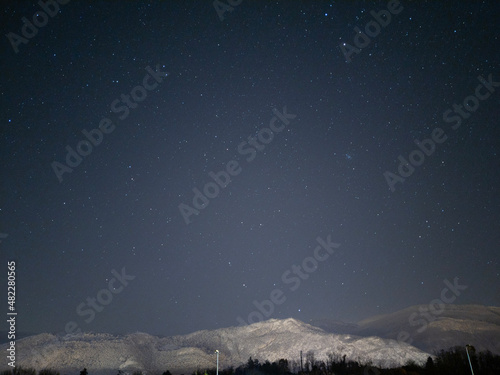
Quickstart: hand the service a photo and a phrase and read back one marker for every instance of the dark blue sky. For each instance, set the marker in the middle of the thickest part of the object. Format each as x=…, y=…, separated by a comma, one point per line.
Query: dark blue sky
x=175, y=93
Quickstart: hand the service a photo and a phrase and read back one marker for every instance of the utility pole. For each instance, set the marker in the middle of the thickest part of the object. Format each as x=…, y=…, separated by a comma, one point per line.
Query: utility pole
x=468, y=357
x=217, y=352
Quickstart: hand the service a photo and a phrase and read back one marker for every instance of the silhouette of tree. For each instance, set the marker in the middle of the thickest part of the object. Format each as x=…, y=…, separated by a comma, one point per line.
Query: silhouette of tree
x=430, y=367
x=310, y=361
x=23, y=371
x=252, y=364
x=451, y=362
x=283, y=366
x=48, y=372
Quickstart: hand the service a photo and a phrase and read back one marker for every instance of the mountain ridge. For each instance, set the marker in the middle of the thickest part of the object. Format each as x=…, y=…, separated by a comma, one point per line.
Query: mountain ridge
x=429, y=330
x=372, y=340
x=271, y=340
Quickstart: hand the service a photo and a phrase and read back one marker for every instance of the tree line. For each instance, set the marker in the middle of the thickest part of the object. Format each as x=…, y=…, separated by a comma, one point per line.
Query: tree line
x=446, y=362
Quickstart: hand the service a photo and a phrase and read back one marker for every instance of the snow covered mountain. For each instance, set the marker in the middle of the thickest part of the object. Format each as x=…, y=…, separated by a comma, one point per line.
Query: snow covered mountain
x=269, y=340
x=431, y=329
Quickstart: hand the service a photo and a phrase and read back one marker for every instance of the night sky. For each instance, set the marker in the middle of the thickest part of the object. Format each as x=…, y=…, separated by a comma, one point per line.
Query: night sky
x=284, y=124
